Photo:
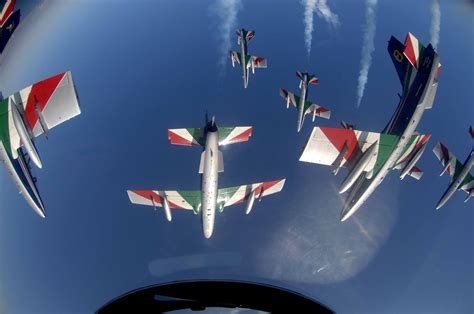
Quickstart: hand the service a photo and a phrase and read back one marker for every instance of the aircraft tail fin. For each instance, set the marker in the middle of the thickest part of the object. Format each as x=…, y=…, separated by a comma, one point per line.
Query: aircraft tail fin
x=400, y=61
x=7, y=28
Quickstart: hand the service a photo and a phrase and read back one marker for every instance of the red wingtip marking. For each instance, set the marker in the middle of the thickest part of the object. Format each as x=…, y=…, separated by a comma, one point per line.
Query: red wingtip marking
x=338, y=137
x=149, y=195
x=242, y=137
x=178, y=140
x=41, y=92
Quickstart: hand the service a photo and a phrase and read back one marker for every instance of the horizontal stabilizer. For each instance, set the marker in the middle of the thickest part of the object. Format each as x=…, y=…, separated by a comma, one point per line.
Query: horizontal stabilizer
x=250, y=35
x=299, y=75
x=314, y=81
x=187, y=137
x=231, y=135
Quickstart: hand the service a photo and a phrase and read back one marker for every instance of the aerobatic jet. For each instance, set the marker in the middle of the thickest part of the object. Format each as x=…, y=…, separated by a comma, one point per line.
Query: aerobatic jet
x=243, y=58
x=29, y=113
x=9, y=20
x=461, y=179
x=210, y=197
x=370, y=156
x=304, y=106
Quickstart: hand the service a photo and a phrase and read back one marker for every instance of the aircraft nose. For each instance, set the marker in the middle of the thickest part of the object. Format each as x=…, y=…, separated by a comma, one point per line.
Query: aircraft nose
x=208, y=233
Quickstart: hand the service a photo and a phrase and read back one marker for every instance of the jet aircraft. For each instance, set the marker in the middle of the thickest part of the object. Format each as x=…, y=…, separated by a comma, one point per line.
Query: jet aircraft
x=370, y=156
x=9, y=20
x=243, y=58
x=27, y=114
x=210, y=197
x=460, y=173
x=304, y=106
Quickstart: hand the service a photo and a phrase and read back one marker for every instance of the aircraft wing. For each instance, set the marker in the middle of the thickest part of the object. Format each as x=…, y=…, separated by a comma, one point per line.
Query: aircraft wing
x=234, y=134
x=44, y=105
x=289, y=97
x=325, y=145
x=238, y=194
x=468, y=184
x=316, y=110
x=235, y=57
x=190, y=200
x=417, y=142
x=187, y=137
x=257, y=62
x=448, y=160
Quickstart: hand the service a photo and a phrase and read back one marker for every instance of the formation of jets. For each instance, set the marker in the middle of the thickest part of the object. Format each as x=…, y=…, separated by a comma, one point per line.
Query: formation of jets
x=368, y=156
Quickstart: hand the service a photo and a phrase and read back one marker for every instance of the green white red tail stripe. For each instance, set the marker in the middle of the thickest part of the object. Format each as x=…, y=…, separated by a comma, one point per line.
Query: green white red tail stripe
x=413, y=50
x=7, y=10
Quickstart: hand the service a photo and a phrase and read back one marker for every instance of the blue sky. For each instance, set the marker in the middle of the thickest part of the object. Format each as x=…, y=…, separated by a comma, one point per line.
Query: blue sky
x=142, y=69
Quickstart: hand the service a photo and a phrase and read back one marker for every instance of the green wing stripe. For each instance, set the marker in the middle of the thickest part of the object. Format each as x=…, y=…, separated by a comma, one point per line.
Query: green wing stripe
x=307, y=104
x=192, y=197
x=224, y=133
x=225, y=194
x=387, y=144
x=4, y=127
x=247, y=59
x=197, y=134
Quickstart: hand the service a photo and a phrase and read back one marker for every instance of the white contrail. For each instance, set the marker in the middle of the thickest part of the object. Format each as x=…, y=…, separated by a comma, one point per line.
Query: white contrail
x=435, y=23
x=323, y=11
x=226, y=11
x=367, y=48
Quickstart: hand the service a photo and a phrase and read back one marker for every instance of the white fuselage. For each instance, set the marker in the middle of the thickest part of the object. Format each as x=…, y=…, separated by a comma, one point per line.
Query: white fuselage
x=456, y=184
x=243, y=54
x=425, y=102
x=304, y=89
x=209, y=183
